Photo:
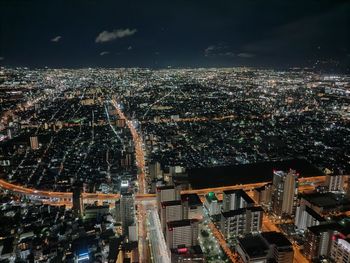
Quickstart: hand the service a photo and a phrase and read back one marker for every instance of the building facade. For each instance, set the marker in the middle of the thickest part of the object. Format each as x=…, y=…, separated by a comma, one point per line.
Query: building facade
x=285, y=192
x=241, y=221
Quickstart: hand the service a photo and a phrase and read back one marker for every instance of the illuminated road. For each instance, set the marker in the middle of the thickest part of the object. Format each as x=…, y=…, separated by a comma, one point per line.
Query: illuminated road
x=268, y=225
x=142, y=189
x=248, y=187
x=199, y=119
x=54, y=197
x=139, y=153
x=99, y=196
x=234, y=257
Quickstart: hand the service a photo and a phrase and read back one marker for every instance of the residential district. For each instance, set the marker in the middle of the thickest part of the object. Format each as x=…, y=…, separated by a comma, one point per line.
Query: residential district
x=175, y=165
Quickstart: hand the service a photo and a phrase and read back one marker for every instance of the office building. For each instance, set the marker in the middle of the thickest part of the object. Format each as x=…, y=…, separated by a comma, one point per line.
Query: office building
x=166, y=193
x=127, y=211
x=124, y=187
x=182, y=233
x=170, y=211
x=192, y=206
x=285, y=192
x=241, y=221
x=236, y=199
x=34, y=143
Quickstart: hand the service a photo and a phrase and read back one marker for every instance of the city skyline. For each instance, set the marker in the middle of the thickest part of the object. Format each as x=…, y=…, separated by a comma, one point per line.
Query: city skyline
x=174, y=131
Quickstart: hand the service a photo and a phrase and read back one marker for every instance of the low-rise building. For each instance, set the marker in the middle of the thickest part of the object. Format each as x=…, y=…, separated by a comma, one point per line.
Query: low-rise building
x=212, y=204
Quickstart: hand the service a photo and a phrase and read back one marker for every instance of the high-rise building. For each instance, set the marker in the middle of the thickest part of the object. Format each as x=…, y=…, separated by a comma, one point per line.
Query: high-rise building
x=78, y=206
x=166, y=193
x=318, y=240
x=155, y=171
x=170, y=211
x=340, y=249
x=127, y=211
x=192, y=206
x=124, y=187
x=34, y=144
x=117, y=211
x=306, y=217
x=236, y=199
x=182, y=233
x=285, y=192
x=263, y=195
x=241, y=221
x=335, y=182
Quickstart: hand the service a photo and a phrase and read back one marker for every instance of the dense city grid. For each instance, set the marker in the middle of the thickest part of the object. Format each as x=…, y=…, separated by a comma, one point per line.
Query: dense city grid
x=95, y=162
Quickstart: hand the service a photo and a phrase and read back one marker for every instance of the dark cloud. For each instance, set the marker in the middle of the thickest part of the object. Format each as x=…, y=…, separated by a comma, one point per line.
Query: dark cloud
x=218, y=50
x=245, y=55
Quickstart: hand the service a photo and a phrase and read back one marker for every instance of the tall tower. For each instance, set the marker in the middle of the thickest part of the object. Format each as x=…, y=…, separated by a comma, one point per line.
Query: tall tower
x=335, y=182
x=34, y=144
x=285, y=192
x=78, y=206
x=126, y=211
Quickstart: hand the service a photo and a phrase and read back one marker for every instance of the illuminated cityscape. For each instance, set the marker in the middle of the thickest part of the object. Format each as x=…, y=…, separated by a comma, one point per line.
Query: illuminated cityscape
x=236, y=157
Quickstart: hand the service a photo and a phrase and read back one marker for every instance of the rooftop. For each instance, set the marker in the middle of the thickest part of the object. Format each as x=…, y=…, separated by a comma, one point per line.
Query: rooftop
x=246, y=173
x=254, y=246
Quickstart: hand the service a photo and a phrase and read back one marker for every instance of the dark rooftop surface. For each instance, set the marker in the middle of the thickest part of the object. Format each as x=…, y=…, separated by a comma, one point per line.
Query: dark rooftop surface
x=328, y=201
x=254, y=246
x=180, y=223
x=193, y=199
x=241, y=194
x=277, y=238
x=170, y=203
x=247, y=173
x=324, y=228
x=314, y=214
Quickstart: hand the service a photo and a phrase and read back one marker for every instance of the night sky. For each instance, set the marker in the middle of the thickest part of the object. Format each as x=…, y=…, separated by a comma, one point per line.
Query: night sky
x=176, y=33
